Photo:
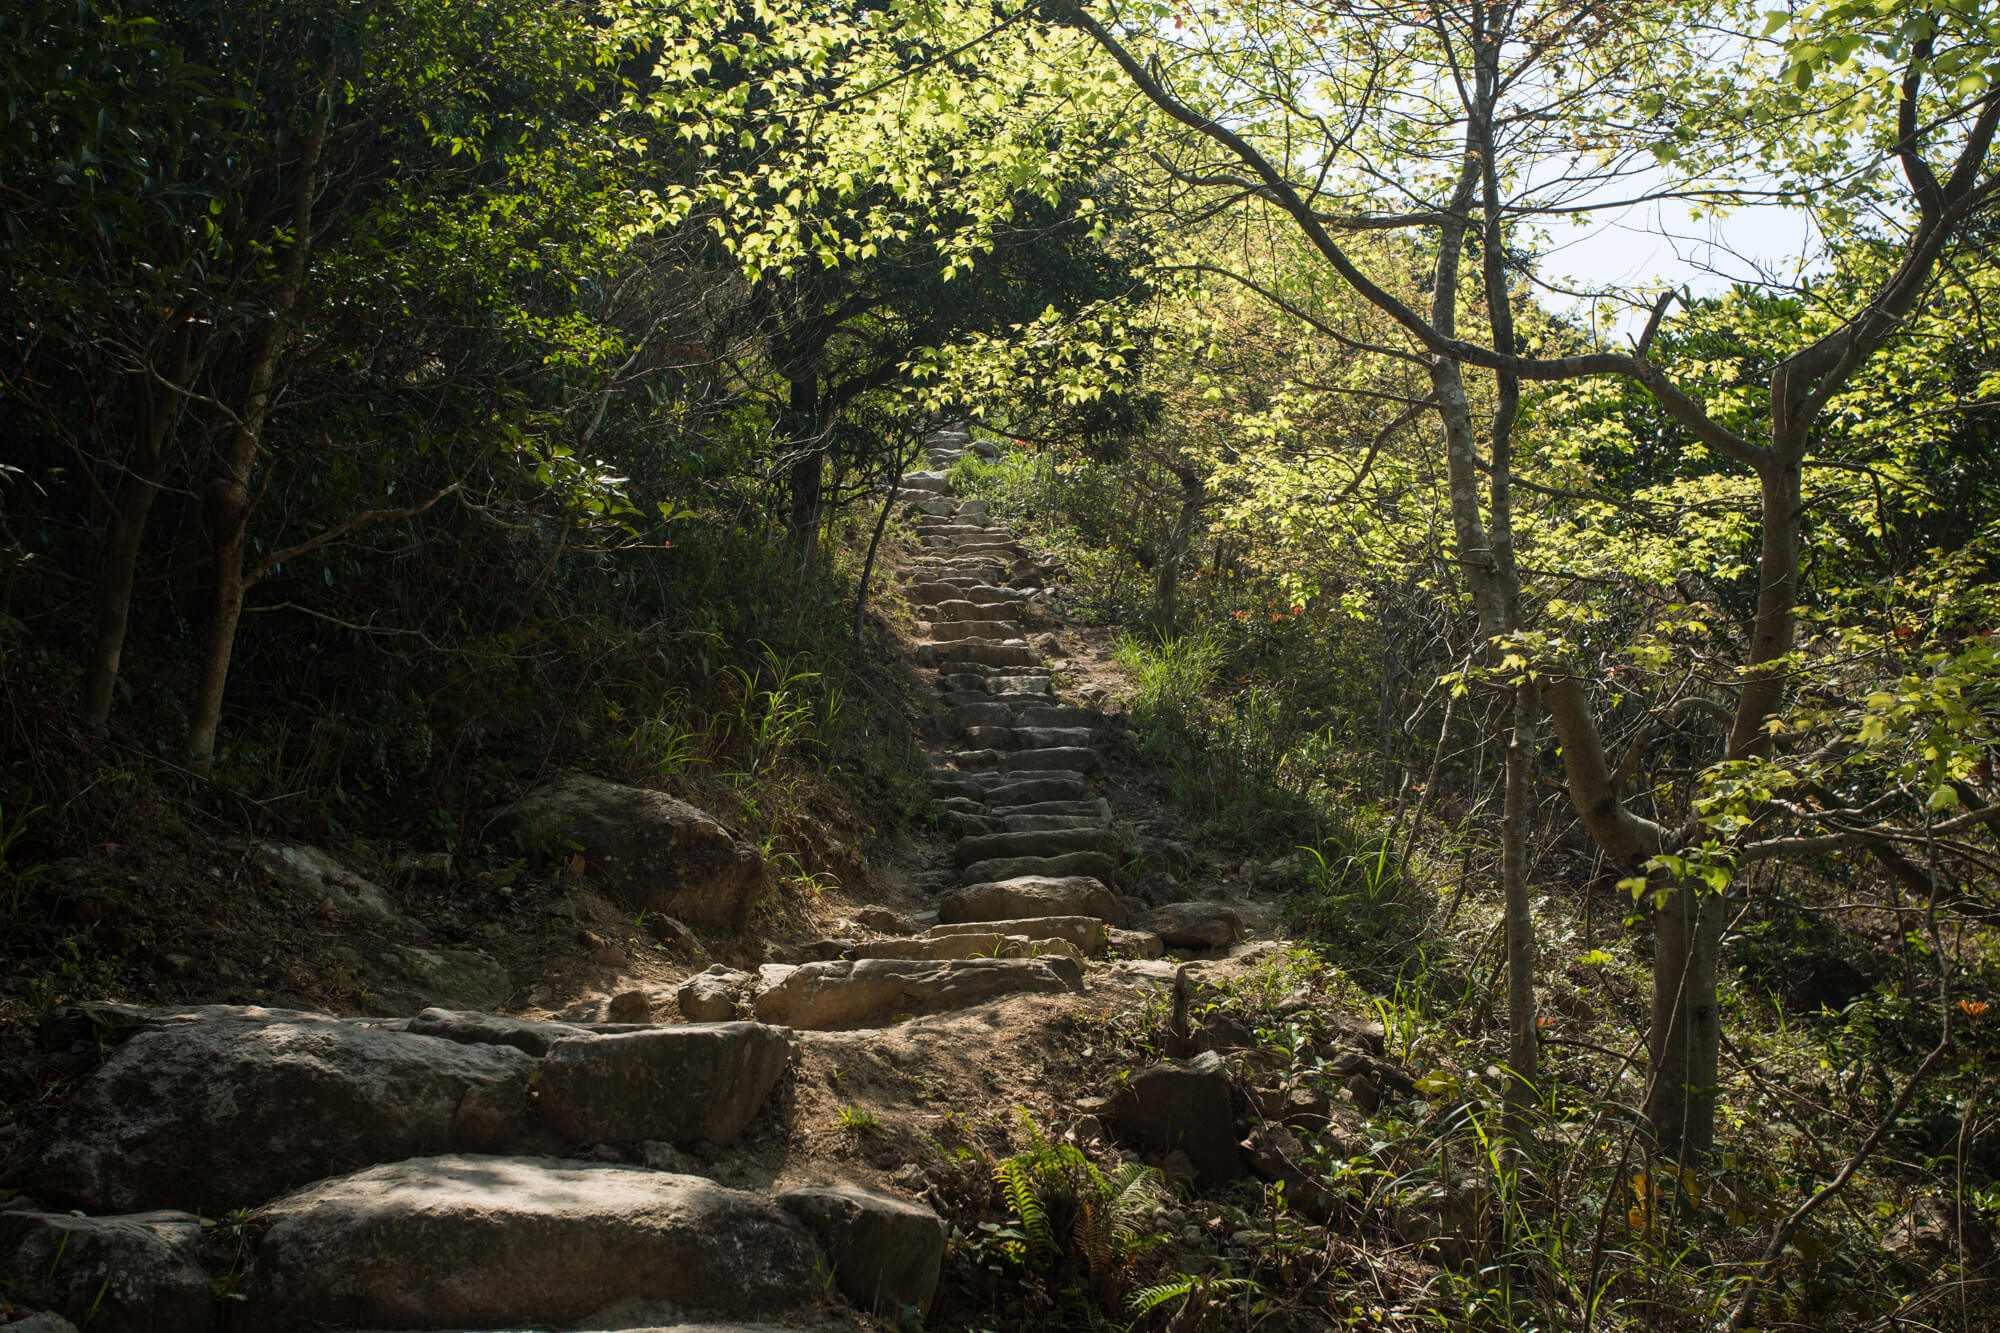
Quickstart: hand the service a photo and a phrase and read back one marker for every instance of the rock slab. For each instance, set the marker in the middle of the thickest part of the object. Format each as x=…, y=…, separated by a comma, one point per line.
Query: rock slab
x=838, y=994
x=502, y=1242
x=130, y=1274
x=236, y=1105
x=701, y=1081
x=1184, y=1106
x=886, y=1252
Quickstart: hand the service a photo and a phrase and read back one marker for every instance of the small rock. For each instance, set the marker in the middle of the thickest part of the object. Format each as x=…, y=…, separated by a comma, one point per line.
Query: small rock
x=1194, y=925
x=1184, y=1105
x=659, y=1156
x=1361, y=1090
x=711, y=996
x=453, y=978
x=1307, y=1108
x=1178, y=1168
x=433, y=869
x=1214, y=893
x=1221, y=1032
x=42, y=1322
x=886, y=920
x=1087, y=1129
x=315, y=876
x=1135, y=943
x=179, y=966
x=610, y=956
x=634, y=1006
x=674, y=933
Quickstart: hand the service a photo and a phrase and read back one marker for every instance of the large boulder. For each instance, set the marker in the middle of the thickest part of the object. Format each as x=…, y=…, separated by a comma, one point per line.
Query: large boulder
x=1184, y=1106
x=1031, y=896
x=827, y=995
x=886, y=1252
x=131, y=1274
x=652, y=851
x=681, y=1084
x=503, y=1242
x=226, y=1107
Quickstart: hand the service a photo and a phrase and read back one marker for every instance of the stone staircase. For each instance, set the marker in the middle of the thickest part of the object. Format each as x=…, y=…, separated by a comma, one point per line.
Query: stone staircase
x=256, y=1169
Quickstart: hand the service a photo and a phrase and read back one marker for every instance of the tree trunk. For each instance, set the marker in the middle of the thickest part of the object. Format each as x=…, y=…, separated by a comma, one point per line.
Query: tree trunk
x=1167, y=581
x=125, y=531
x=122, y=540
x=806, y=476
x=229, y=490
x=1685, y=1041
x=1523, y=1040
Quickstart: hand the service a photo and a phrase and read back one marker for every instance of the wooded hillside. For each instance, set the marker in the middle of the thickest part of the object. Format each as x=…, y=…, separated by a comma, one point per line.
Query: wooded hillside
x=406, y=402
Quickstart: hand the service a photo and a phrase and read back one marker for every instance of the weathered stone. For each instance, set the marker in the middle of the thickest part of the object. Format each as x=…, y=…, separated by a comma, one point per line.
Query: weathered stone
x=1085, y=932
x=1274, y=1153
x=885, y=919
x=1030, y=896
x=477, y=1029
x=710, y=997
x=700, y=1081
x=1184, y=1105
x=1194, y=925
x=1052, y=715
x=886, y=1252
x=826, y=995
x=997, y=631
x=1070, y=865
x=126, y=1274
x=1135, y=943
x=315, y=876
x=451, y=978
x=989, y=654
x=980, y=715
x=501, y=1242
x=1219, y=1031
x=430, y=868
x=1064, y=758
x=234, y=1106
x=1031, y=738
x=634, y=1006
x=40, y=1322
x=1049, y=823
x=653, y=852
x=1057, y=842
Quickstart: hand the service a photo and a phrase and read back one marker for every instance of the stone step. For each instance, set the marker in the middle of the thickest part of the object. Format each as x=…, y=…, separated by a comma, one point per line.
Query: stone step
x=872, y=990
x=1098, y=808
x=1009, y=789
x=962, y=609
x=1025, y=897
x=1045, y=715
x=958, y=529
x=994, y=631
x=221, y=1107
x=1049, y=842
x=931, y=506
x=932, y=483
x=483, y=1242
x=1049, y=738
x=1085, y=932
x=989, y=943
x=1045, y=823
x=1093, y=865
x=986, y=654
x=1065, y=758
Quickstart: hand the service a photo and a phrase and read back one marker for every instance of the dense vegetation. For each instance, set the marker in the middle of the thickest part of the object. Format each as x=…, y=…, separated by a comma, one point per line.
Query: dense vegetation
x=403, y=399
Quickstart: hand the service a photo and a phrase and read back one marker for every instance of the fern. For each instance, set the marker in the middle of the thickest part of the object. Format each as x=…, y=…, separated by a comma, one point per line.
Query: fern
x=1149, y=1298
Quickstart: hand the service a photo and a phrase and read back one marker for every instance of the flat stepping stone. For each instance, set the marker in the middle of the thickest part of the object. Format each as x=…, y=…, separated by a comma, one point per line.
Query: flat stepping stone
x=1054, y=842
x=1087, y=933
x=1096, y=808
x=987, y=943
x=988, y=631
x=1057, y=715
x=1050, y=738
x=502, y=1242
x=1048, y=823
x=1068, y=758
x=873, y=990
x=987, y=654
x=1007, y=788
x=1029, y=896
x=1095, y=865
x=963, y=609
x=980, y=715
x=886, y=1253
